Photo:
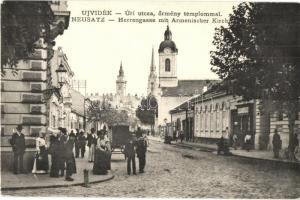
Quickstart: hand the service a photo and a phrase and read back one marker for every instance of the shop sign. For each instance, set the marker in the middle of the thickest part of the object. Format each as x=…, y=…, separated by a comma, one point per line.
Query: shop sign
x=243, y=110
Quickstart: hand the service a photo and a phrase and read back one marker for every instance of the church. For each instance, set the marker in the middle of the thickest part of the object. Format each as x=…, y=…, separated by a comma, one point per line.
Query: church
x=168, y=90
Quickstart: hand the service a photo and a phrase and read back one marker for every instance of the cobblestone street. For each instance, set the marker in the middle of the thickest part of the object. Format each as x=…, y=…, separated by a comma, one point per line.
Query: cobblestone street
x=177, y=172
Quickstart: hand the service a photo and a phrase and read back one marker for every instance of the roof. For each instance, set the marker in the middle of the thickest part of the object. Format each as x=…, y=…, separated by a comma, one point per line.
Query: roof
x=167, y=44
x=187, y=105
x=187, y=88
x=215, y=91
x=77, y=102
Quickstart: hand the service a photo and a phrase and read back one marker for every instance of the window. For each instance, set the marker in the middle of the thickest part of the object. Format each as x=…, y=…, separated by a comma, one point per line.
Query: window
x=167, y=65
x=53, y=121
x=280, y=116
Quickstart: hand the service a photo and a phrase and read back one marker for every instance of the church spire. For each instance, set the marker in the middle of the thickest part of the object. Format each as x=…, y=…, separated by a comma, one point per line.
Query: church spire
x=152, y=67
x=121, y=72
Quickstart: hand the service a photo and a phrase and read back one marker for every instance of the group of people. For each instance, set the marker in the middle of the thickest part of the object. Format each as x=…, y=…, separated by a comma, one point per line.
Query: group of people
x=62, y=156
x=277, y=145
x=60, y=148
x=178, y=134
x=99, y=151
x=136, y=145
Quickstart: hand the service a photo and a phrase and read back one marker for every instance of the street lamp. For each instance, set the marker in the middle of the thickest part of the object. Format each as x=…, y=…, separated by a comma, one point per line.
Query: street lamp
x=61, y=74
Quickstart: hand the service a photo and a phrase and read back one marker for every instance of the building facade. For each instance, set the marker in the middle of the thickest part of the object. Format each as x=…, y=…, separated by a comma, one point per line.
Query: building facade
x=23, y=95
x=205, y=118
x=60, y=101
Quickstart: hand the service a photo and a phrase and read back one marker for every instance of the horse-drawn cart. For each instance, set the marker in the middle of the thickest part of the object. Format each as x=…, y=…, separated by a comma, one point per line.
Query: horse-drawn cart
x=120, y=135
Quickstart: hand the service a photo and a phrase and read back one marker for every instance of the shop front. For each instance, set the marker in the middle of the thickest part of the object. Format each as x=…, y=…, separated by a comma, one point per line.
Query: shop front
x=242, y=123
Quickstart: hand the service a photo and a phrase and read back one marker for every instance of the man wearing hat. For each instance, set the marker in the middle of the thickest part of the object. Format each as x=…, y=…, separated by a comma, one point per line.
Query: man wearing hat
x=18, y=145
x=129, y=152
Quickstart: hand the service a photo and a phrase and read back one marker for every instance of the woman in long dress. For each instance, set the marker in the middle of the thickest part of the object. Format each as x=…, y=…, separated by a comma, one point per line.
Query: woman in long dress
x=100, y=163
x=41, y=164
x=54, y=151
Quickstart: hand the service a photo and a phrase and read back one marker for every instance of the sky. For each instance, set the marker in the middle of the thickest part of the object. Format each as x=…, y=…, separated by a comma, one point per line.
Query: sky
x=96, y=49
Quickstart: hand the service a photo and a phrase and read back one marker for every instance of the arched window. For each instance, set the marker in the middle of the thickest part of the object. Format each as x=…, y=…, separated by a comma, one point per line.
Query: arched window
x=167, y=65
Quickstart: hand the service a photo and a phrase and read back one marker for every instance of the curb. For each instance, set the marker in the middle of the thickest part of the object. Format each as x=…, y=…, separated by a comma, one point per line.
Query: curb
x=277, y=162
x=208, y=149
x=56, y=186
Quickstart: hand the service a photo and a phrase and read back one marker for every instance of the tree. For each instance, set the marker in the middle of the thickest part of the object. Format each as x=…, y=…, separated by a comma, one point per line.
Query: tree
x=22, y=24
x=102, y=112
x=147, y=110
x=258, y=55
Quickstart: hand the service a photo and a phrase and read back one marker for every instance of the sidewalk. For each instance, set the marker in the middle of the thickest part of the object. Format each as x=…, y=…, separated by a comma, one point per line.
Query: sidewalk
x=252, y=154
x=10, y=181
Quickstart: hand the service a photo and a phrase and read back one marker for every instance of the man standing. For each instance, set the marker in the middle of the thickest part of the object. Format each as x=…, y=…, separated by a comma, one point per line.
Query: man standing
x=141, y=150
x=276, y=144
x=77, y=143
x=81, y=140
x=130, y=155
x=92, y=142
x=248, y=142
x=18, y=146
x=295, y=146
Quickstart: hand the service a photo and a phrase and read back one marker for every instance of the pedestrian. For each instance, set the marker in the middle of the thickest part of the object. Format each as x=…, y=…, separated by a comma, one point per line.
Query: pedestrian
x=41, y=164
x=276, y=144
x=81, y=141
x=62, y=137
x=181, y=136
x=141, y=150
x=107, y=149
x=109, y=133
x=234, y=141
x=108, y=154
x=69, y=156
x=92, y=142
x=220, y=145
x=77, y=144
x=18, y=145
x=177, y=135
x=54, y=150
x=129, y=152
x=227, y=136
x=174, y=135
x=89, y=138
x=295, y=144
x=100, y=163
x=248, y=141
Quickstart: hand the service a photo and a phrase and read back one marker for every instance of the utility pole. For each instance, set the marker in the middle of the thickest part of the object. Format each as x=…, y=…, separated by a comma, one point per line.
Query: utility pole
x=80, y=85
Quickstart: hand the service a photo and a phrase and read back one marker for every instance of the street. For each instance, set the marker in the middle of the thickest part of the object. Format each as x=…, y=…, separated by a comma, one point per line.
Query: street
x=176, y=172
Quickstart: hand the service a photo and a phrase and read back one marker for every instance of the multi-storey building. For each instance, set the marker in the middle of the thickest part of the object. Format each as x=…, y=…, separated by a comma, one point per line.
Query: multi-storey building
x=24, y=96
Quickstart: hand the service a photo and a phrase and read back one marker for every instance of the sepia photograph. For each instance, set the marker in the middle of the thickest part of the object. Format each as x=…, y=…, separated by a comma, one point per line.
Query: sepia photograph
x=150, y=99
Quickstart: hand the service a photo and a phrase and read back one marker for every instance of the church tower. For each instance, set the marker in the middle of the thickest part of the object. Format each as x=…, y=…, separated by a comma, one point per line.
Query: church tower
x=152, y=79
x=121, y=83
x=168, y=61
